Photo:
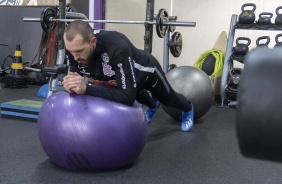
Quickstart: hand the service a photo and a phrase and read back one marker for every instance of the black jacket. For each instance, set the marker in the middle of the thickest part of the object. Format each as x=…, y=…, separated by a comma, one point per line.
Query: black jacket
x=116, y=58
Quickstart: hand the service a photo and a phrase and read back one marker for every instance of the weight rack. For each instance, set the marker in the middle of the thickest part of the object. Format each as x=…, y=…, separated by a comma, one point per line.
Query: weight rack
x=234, y=25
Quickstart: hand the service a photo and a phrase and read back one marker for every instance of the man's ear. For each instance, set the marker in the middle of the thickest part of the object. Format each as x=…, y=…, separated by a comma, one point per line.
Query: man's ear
x=93, y=41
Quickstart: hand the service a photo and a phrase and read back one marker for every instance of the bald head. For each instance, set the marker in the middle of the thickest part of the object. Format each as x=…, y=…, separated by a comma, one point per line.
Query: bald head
x=80, y=41
x=81, y=28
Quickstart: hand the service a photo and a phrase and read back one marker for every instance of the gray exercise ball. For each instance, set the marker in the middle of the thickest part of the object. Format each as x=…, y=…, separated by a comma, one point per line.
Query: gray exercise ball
x=196, y=87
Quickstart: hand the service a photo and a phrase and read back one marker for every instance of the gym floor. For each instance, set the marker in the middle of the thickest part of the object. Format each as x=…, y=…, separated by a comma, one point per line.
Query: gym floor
x=207, y=154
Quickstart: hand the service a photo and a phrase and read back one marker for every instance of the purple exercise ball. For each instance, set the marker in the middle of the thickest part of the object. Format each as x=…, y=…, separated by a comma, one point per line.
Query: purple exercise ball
x=81, y=132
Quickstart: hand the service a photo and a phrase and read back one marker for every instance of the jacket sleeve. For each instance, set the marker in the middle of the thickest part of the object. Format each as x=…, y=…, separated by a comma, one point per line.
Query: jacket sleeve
x=122, y=64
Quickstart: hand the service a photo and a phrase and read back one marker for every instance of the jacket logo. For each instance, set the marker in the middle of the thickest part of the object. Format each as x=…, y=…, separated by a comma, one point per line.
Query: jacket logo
x=105, y=57
x=107, y=70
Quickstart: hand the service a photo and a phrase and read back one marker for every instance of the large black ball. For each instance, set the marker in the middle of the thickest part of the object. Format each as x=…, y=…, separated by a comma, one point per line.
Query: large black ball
x=196, y=87
x=209, y=64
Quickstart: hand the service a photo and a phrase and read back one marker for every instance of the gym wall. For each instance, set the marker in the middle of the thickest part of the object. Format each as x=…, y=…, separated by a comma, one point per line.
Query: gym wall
x=81, y=6
x=14, y=31
x=211, y=17
x=30, y=2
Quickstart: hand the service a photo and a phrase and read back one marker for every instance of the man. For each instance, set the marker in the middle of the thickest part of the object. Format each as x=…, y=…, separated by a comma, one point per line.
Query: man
x=109, y=57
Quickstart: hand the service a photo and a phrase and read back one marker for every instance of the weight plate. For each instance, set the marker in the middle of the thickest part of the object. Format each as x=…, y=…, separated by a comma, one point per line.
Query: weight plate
x=175, y=45
x=161, y=17
x=46, y=25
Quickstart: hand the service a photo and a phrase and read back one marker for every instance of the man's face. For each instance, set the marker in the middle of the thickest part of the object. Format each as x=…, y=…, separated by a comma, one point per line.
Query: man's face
x=81, y=51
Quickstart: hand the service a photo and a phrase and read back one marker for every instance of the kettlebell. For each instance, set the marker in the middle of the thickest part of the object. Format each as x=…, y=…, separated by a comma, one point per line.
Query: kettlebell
x=278, y=19
x=267, y=38
x=235, y=75
x=265, y=18
x=234, y=79
x=247, y=16
x=278, y=43
x=241, y=48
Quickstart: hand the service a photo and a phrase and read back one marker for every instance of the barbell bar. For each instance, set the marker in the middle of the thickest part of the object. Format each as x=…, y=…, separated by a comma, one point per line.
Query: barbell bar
x=168, y=23
x=162, y=21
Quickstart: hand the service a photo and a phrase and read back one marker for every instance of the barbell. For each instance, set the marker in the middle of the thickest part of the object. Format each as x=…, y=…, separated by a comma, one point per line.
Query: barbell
x=52, y=19
x=162, y=22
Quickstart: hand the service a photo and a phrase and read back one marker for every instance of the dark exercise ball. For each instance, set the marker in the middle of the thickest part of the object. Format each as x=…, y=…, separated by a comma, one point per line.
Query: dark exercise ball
x=209, y=64
x=81, y=132
x=195, y=85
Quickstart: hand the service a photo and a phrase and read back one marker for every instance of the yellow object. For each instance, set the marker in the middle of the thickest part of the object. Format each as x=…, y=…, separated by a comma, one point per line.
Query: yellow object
x=219, y=56
x=18, y=53
x=17, y=66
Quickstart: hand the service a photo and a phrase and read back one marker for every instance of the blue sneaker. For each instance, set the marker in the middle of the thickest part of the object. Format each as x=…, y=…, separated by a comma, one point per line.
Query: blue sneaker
x=187, y=119
x=149, y=113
